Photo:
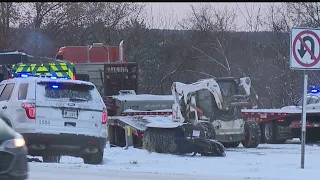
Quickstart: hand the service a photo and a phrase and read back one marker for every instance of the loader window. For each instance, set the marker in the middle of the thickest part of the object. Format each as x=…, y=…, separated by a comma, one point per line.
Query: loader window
x=228, y=88
x=205, y=101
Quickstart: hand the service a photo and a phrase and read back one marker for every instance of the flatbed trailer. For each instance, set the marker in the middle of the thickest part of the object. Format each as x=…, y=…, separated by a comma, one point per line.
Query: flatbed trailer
x=280, y=125
x=135, y=111
x=137, y=122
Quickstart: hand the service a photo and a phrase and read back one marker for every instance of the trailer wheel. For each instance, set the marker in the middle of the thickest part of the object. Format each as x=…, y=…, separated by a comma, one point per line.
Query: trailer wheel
x=252, y=134
x=161, y=140
x=268, y=132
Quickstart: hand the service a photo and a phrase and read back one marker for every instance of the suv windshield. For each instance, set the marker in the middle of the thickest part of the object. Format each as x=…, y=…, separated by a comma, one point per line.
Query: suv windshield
x=311, y=99
x=70, y=91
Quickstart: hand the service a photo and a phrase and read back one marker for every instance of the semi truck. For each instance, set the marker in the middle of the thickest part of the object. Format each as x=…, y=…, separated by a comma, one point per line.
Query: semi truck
x=91, y=61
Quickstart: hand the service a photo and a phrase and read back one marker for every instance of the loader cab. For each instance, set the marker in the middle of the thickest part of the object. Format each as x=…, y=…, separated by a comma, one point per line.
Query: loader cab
x=232, y=93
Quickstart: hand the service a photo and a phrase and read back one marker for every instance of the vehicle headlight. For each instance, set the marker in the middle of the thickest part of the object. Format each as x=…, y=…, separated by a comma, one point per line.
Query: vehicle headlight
x=15, y=143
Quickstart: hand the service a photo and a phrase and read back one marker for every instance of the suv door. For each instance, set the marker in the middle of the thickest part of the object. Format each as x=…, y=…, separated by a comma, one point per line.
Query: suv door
x=6, y=94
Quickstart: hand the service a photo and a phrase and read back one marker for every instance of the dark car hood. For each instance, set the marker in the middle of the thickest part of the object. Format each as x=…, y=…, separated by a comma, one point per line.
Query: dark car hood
x=6, y=132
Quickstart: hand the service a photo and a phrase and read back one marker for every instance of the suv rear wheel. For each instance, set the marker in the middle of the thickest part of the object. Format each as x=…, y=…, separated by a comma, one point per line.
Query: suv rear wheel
x=95, y=158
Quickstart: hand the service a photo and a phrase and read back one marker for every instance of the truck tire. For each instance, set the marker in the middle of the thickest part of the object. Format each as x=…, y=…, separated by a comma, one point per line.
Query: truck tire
x=269, y=134
x=252, y=134
x=161, y=140
x=231, y=144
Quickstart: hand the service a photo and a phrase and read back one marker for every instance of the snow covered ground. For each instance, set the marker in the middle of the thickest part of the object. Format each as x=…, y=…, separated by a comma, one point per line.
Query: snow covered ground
x=267, y=162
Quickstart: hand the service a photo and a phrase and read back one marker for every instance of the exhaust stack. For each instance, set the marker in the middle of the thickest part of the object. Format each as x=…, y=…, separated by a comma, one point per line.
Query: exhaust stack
x=121, y=51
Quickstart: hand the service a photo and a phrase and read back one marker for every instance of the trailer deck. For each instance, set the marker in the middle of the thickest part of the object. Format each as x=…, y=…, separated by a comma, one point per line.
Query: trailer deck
x=138, y=122
x=286, y=110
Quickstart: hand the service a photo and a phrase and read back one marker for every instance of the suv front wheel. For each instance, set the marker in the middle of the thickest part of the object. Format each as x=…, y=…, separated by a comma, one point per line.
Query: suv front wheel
x=95, y=158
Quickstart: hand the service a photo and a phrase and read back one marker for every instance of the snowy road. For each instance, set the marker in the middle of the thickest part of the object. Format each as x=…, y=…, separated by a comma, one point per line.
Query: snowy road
x=49, y=173
x=267, y=162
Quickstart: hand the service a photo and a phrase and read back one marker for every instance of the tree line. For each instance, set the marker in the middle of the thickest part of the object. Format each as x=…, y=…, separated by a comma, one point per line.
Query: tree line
x=208, y=44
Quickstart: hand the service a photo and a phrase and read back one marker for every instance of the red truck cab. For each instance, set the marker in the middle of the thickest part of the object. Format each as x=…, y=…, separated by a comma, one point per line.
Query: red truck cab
x=96, y=53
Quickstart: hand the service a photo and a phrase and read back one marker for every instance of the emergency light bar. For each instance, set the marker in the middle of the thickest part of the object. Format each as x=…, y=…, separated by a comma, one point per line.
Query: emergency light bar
x=314, y=90
x=25, y=75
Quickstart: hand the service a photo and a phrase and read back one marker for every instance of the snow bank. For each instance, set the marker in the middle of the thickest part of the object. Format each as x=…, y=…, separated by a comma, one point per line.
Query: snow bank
x=280, y=162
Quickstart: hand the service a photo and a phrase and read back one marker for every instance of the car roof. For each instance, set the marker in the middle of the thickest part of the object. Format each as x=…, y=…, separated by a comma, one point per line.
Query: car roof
x=44, y=79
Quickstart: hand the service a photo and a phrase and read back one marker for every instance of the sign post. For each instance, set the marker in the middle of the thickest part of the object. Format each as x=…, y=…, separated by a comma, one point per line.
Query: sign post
x=304, y=118
x=304, y=55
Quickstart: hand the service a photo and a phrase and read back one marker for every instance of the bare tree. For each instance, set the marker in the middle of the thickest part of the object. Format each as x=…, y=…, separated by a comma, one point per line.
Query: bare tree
x=45, y=11
x=211, y=26
x=8, y=16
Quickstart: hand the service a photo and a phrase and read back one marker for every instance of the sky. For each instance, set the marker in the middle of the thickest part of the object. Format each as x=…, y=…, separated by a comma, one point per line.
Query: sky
x=166, y=15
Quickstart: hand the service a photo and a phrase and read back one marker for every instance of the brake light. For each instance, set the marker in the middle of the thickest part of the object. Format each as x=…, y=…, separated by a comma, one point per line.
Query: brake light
x=30, y=109
x=104, y=116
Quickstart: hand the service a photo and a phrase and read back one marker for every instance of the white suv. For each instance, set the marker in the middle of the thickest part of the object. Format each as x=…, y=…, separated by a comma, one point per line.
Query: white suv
x=56, y=117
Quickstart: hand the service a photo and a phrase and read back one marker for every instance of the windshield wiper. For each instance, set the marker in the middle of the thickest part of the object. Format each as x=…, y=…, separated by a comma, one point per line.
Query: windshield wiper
x=78, y=99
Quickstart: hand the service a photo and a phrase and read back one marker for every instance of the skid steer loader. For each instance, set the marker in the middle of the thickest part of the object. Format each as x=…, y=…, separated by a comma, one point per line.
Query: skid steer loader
x=206, y=119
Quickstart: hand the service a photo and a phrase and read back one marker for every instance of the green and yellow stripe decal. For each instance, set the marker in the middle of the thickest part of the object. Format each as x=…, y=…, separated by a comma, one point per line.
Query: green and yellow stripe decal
x=60, y=70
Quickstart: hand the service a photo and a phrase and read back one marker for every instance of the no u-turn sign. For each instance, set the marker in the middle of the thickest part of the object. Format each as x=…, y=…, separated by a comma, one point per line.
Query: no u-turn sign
x=305, y=48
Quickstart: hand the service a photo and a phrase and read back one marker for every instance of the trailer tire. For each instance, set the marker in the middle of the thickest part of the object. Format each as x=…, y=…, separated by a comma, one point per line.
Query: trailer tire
x=161, y=140
x=252, y=134
x=268, y=133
